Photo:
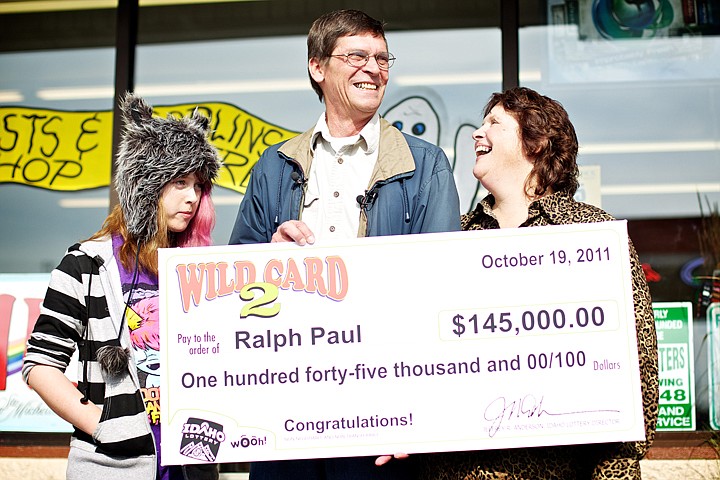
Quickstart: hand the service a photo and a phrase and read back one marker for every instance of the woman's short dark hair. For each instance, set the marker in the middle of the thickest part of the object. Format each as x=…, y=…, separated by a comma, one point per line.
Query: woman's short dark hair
x=326, y=30
x=548, y=138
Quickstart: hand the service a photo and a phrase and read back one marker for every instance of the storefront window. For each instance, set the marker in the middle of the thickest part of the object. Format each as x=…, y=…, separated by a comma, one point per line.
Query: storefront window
x=643, y=101
x=55, y=149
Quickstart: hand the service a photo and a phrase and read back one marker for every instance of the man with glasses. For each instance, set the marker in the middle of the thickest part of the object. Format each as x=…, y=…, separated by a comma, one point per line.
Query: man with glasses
x=351, y=175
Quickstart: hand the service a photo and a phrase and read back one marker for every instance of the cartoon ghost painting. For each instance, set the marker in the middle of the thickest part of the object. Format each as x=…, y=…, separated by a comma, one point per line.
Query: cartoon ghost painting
x=415, y=116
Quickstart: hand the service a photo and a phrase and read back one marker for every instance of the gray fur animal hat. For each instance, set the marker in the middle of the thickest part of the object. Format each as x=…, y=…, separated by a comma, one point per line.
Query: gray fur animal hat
x=154, y=151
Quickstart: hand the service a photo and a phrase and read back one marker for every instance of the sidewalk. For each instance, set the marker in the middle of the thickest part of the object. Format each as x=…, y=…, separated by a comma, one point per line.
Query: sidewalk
x=54, y=469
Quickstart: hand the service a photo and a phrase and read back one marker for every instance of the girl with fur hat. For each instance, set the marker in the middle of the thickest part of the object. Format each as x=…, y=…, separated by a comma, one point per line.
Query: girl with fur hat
x=102, y=301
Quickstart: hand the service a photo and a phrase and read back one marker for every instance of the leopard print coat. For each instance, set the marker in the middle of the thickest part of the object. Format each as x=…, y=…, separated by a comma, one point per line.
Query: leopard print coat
x=595, y=461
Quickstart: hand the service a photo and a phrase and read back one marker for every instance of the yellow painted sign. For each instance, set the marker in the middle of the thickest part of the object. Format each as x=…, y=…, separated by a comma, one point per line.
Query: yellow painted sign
x=55, y=150
x=69, y=151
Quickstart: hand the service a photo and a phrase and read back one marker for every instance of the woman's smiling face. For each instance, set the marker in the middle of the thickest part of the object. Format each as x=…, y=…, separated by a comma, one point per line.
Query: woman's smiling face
x=499, y=153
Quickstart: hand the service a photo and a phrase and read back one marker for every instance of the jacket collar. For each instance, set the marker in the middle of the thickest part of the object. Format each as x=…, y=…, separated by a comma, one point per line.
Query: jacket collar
x=394, y=156
x=554, y=207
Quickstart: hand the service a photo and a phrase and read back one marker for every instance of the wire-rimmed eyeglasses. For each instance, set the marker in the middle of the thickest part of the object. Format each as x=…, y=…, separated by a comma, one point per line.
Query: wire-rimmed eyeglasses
x=384, y=60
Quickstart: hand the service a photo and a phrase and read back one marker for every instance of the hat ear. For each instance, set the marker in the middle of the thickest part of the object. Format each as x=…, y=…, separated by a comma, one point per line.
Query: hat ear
x=134, y=109
x=200, y=120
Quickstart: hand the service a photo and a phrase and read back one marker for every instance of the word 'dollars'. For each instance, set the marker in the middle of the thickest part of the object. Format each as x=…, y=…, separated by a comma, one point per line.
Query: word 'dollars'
x=327, y=277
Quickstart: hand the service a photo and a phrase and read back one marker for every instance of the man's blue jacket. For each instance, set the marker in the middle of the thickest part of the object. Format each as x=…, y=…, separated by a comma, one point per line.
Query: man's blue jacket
x=411, y=190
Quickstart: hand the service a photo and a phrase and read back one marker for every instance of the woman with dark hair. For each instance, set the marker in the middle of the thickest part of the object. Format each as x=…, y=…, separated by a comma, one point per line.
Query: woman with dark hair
x=103, y=294
x=526, y=152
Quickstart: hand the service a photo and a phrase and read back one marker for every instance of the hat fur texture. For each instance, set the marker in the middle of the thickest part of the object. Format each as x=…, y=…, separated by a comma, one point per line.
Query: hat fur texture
x=152, y=152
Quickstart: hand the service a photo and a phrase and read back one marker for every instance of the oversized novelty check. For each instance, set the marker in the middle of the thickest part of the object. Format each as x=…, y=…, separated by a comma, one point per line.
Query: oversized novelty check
x=422, y=343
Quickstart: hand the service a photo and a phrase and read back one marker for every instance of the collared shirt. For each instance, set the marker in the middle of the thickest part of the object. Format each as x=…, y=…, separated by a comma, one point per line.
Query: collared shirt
x=340, y=172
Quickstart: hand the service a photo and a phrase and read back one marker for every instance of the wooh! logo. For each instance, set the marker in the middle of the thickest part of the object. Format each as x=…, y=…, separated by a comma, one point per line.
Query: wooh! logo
x=201, y=439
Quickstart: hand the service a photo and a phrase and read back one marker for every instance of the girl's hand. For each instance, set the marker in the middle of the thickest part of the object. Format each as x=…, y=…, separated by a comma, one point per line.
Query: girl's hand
x=382, y=460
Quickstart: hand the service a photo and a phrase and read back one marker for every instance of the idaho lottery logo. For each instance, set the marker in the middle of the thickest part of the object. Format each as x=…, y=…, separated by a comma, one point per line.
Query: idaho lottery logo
x=201, y=439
